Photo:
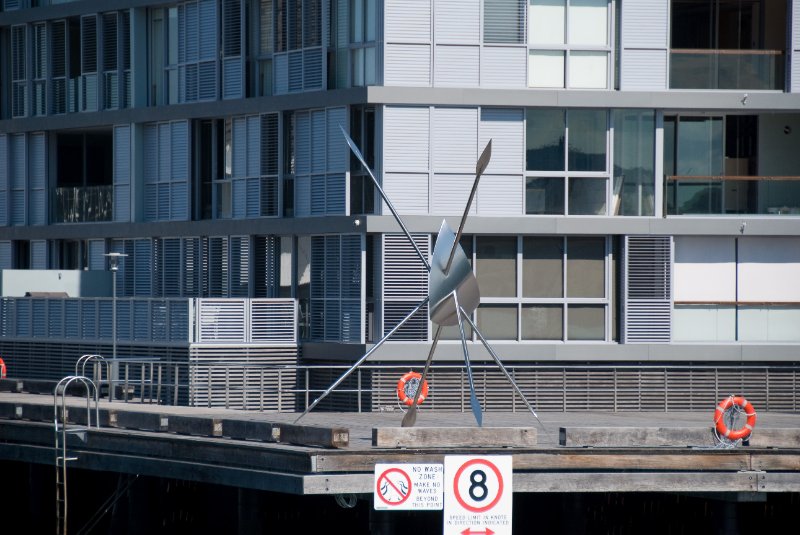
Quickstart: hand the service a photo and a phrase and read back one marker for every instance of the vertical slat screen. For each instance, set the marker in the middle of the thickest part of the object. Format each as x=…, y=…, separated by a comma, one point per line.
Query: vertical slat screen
x=647, y=286
x=405, y=285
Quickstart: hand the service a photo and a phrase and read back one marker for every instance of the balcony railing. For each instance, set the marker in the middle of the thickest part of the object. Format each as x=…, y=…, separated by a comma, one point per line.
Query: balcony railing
x=83, y=204
x=726, y=69
x=718, y=195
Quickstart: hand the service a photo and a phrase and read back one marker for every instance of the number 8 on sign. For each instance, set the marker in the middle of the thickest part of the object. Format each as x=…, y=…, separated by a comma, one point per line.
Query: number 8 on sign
x=478, y=485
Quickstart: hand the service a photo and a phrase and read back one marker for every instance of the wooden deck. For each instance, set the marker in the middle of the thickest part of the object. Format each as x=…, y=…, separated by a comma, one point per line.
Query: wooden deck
x=195, y=444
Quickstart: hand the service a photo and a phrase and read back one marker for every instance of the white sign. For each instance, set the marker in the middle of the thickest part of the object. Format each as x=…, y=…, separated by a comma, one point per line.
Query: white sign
x=478, y=495
x=408, y=486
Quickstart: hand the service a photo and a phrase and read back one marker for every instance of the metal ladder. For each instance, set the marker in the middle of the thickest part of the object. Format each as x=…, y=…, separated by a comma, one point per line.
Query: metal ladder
x=60, y=419
x=98, y=363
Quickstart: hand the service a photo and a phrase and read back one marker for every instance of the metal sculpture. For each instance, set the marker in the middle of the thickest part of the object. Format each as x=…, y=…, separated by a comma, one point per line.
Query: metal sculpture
x=453, y=295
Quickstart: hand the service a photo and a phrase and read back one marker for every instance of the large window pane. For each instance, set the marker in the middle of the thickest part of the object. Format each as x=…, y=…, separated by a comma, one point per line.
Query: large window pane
x=587, y=196
x=544, y=196
x=586, y=322
x=498, y=322
x=496, y=269
x=546, y=22
x=542, y=267
x=587, y=140
x=544, y=138
x=542, y=322
x=699, y=146
x=586, y=267
x=588, y=70
x=588, y=22
x=546, y=68
x=634, y=162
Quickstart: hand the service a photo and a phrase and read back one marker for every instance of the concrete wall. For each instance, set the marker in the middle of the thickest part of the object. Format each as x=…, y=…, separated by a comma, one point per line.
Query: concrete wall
x=76, y=283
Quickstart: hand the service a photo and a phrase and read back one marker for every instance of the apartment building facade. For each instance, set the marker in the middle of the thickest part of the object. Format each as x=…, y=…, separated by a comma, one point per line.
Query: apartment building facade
x=637, y=229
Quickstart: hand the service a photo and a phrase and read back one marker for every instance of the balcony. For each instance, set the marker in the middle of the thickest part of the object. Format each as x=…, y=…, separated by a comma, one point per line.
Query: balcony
x=88, y=204
x=720, y=195
x=727, y=69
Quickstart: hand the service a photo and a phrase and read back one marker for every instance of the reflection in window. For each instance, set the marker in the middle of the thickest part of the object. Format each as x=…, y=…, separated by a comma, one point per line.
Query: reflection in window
x=495, y=265
x=634, y=162
x=566, y=162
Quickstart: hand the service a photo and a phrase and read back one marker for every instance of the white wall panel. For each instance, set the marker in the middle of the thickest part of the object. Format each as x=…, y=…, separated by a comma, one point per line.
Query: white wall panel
x=408, y=65
x=504, y=66
x=644, y=70
x=505, y=128
x=407, y=191
x=455, y=139
x=500, y=195
x=407, y=21
x=450, y=193
x=705, y=268
x=406, y=138
x=769, y=269
x=457, y=21
x=456, y=66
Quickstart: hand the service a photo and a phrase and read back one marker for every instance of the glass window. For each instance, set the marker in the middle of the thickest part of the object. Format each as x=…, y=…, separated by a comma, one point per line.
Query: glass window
x=588, y=22
x=496, y=261
x=542, y=267
x=544, y=139
x=571, y=39
x=546, y=21
x=544, y=195
x=588, y=70
x=542, y=322
x=498, y=322
x=587, y=140
x=587, y=196
x=699, y=146
x=586, y=267
x=586, y=322
x=546, y=68
x=634, y=162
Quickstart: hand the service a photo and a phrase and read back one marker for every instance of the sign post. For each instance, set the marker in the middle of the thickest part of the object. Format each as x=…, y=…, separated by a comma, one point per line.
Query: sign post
x=478, y=495
x=401, y=487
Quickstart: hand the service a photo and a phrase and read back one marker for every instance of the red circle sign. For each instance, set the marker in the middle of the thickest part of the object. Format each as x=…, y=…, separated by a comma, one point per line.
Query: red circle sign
x=390, y=489
x=481, y=484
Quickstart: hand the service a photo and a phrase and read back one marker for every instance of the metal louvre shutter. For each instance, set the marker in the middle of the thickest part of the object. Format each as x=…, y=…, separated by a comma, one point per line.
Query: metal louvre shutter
x=97, y=248
x=336, y=150
x=408, y=21
x=143, y=267
x=504, y=21
x=457, y=21
x=58, y=65
x=19, y=77
x=191, y=267
x=644, y=40
x=240, y=266
x=37, y=179
x=351, y=316
x=647, y=286
x=269, y=165
x=17, y=179
x=317, y=288
x=39, y=254
x=217, y=266
x=232, y=61
x=89, y=89
x=794, y=76
x=455, y=139
x=4, y=180
x=179, y=201
x=39, y=74
x=122, y=173
x=405, y=285
x=111, y=76
x=266, y=258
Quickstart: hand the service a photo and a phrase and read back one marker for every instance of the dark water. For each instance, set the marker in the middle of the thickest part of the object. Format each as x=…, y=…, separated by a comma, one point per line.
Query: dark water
x=152, y=505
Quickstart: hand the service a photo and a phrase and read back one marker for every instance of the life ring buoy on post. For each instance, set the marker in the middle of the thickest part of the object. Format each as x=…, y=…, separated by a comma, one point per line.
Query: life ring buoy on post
x=719, y=418
x=3, y=369
x=407, y=388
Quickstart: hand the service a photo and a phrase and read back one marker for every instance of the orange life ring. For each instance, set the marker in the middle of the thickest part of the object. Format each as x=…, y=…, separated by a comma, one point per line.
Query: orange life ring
x=719, y=421
x=2, y=369
x=407, y=388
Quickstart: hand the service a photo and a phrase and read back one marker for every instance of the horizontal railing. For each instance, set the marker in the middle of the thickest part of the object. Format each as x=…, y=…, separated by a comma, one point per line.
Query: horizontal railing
x=549, y=388
x=247, y=321
x=718, y=194
x=726, y=69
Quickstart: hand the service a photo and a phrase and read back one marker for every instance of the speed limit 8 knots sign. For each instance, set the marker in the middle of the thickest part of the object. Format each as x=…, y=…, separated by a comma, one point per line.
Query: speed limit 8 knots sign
x=478, y=495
